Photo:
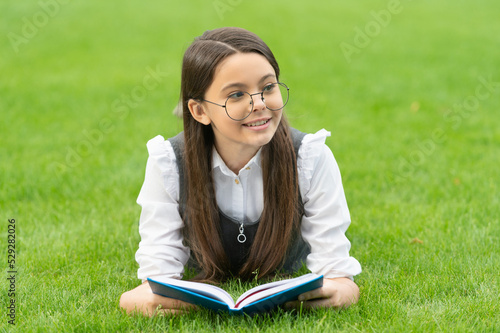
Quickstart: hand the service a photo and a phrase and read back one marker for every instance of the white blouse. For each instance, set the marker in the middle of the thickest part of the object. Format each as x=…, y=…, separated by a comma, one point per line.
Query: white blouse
x=240, y=196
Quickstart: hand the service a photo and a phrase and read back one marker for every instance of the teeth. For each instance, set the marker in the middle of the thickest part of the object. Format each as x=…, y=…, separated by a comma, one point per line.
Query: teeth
x=258, y=123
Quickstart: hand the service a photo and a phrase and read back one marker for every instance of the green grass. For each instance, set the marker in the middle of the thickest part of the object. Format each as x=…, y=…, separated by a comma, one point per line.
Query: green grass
x=424, y=208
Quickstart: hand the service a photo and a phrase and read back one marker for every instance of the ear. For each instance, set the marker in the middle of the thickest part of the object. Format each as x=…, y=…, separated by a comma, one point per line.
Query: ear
x=198, y=112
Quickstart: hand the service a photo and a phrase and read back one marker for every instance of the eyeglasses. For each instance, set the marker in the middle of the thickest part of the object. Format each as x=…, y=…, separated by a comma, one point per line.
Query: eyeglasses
x=239, y=105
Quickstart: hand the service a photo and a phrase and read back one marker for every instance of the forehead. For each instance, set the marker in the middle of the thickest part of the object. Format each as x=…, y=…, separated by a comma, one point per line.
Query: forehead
x=245, y=68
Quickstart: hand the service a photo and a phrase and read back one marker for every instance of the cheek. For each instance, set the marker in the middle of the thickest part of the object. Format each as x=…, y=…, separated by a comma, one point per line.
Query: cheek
x=217, y=117
x=278, y=116
x=223, y=123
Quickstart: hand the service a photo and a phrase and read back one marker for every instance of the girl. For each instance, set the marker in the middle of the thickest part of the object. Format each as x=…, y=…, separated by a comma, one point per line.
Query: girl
x=239, y=193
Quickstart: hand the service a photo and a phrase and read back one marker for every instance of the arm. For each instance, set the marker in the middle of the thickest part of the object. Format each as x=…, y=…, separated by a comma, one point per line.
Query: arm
x=161, y=251
x=324, y=224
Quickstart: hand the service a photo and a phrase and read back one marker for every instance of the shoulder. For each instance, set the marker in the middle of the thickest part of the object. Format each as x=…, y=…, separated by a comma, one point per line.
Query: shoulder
x=313, y=145
x=162, y=172
x=162, y=153
x=160, y=146
x=314, y=155
x=156, y=146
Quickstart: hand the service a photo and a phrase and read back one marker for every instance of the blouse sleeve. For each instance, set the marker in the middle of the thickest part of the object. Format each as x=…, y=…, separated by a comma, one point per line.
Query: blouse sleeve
x=326, y=217
x=161, y=250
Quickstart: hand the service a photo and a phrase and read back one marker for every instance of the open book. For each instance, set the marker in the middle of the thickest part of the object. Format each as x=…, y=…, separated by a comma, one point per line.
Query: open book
x=259, y=299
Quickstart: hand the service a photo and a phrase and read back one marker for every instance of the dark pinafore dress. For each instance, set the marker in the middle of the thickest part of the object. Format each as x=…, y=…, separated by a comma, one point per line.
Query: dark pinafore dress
x=237, y=251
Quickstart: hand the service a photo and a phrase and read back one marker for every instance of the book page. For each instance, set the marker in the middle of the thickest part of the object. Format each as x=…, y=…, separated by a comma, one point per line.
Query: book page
x=204, y=289
x=271, y=288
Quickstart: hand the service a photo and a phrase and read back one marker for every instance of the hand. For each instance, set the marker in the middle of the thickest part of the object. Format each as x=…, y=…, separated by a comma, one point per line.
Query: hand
x=337, y=293
x=142, y=300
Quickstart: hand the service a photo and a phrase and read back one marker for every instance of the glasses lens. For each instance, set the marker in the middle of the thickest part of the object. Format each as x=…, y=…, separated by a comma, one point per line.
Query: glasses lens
x=239, y=105
x=276, y=96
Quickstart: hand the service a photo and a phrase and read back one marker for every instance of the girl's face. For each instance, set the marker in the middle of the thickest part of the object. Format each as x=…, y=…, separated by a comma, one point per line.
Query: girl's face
x=240, y=72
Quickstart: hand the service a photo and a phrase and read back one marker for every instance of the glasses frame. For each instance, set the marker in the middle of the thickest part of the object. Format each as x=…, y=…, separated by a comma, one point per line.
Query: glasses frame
x=251, y=98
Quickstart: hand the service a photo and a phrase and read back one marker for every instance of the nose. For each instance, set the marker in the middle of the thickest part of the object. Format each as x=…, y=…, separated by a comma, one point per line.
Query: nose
x=258, y=102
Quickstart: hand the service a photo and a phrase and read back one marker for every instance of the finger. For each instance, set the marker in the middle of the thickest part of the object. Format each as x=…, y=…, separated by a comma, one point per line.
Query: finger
x=292, y=305
x=174, y=304
x=307, y=305
x=317, y=303
x=163, y=310
x=313, y=294
x=170, y=312
x=304, y=305
x=307, y=296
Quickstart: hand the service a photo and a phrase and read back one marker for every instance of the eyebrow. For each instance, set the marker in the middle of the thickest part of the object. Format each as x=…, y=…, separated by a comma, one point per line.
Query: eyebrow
x=242, y=85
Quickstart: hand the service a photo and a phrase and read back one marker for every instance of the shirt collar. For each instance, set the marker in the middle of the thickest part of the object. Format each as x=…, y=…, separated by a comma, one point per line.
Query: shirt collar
x=218, y=162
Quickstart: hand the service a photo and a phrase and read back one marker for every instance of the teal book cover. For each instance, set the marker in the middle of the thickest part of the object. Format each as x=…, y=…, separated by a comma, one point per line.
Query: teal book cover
x=259, y=299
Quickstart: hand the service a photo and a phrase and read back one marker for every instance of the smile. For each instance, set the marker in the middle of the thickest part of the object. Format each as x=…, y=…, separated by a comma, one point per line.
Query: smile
x=258, y=123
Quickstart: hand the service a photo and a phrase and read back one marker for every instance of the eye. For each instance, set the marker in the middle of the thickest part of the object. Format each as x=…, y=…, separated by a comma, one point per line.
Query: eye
x=237, y=95
x=269, y=88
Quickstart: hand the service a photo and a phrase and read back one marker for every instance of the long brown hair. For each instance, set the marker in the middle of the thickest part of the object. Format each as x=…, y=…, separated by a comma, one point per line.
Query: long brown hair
x=281, y=211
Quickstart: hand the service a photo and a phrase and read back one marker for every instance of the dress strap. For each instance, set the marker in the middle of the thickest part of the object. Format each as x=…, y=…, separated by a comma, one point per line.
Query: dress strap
x=177, y=143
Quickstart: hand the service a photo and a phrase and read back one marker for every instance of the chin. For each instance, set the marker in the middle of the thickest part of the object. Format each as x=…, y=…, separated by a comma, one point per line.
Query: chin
x=265, y=138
